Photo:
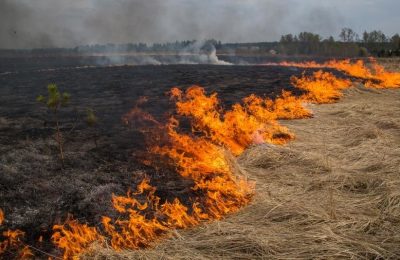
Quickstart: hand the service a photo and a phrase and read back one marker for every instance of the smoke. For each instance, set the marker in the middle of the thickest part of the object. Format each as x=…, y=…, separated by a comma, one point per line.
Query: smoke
x=199, y=52
x=60, y=23
x=194, y=54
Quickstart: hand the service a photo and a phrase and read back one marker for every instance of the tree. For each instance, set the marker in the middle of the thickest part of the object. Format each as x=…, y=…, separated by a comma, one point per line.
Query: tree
x=330, y=39
x=54, y=101
x=288, y=38
x=395, y=40
x=365, y=38
x=348, y=35
x=374, y=37
x=309, y=43
x=308, y=37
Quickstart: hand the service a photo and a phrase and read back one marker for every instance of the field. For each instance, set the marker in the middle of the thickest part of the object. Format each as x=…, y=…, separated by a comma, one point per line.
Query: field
x=333, y=192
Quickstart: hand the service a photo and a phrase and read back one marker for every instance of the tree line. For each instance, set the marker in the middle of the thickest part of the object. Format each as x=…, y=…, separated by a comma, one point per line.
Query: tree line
x=374, y=43
x=349, y=44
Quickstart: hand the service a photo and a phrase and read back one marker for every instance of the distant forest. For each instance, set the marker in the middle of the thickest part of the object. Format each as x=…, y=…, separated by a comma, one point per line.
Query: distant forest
x=374, y=43
x=348, y=44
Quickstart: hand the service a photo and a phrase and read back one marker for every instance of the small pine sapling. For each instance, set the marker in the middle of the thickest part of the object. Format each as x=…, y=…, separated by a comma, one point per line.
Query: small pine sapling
x=54, y=101
x=91, y=121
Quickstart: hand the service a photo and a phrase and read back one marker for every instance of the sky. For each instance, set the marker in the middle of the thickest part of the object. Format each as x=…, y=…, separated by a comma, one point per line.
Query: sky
x=68, y=23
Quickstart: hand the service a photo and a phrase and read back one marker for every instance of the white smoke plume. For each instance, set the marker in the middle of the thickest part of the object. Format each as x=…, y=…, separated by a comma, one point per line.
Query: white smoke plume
x=192, y=54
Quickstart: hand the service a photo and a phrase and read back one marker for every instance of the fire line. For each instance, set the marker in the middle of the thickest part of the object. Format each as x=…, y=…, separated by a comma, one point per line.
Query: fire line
x=206, y=156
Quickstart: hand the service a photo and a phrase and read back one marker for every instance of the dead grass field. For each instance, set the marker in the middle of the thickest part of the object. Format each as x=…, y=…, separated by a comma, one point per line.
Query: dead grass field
x=332, y=193
x=390, y=63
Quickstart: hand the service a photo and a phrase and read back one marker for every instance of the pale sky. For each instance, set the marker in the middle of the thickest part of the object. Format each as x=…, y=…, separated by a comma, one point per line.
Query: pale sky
x=67, y=23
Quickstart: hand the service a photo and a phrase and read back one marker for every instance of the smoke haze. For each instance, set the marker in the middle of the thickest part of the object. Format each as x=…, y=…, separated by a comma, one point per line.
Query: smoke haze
x=60, y=23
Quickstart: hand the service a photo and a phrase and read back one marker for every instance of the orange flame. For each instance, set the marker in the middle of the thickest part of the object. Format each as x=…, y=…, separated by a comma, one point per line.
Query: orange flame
x=138, y=115
x=26, y=253
x=376, y=77
x=13, y=241
x=194, y=157
x=73, y=238
x=1, y=217
x=208, y=166
x=203, y=156
x=321, y=87
x=285, y=106
x=235, y=128
x=138, y=230
x=385, y=78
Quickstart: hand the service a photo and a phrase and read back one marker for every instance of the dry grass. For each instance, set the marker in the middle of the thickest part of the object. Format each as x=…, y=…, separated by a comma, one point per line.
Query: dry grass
x=332, y=193
x=392, y=64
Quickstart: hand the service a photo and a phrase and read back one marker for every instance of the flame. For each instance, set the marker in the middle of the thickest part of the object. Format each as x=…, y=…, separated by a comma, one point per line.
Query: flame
x=137, y=230
x=12, y=240
x=1, y=217
x=321, y=87
x=204, y=156
x=285, y=107
x=375, y=77
x=73, y=238
x=137, y=115
x=177, y=215
x=386, y=79
x=208, y=165
x=235, y=128
x=193, y=157
x=147, y=221
x=26, y=253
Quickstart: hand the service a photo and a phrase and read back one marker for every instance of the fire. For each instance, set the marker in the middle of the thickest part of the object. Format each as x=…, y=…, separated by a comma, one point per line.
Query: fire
x=283, y=107
x=137, y=115
x=205, y=156
x=193, y=157
x=385, y=79
x=136, y=230
x=12, y=241
x=210, y=168
x=26, y=253
x=177, y=215
x=73, y=238
x=202, y=155
x=234, y=128
x=357, y=69
x=1, y=217
x=376, y=76
x=148, y=221
x=321, y=87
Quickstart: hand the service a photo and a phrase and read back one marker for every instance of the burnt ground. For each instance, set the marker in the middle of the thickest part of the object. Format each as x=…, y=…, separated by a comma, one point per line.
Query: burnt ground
x=36, y=193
